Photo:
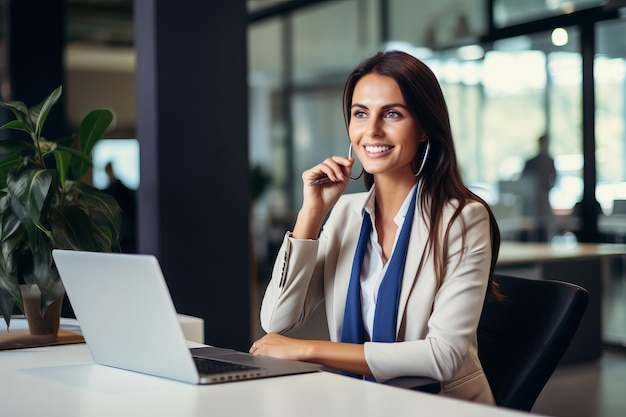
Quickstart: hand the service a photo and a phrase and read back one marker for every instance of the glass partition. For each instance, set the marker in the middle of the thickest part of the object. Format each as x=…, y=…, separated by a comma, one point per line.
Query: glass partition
x=322, y=59
x=502, y=96
x=329, y=39
x=610, y=85
x=267, y=135
x=435, y=24
x=501, y=101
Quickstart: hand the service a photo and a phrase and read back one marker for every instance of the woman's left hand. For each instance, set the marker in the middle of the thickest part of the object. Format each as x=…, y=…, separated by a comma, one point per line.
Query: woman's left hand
x=281, y=347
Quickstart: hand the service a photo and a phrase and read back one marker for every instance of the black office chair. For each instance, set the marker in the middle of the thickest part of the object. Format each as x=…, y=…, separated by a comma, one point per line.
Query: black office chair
x=522, y=339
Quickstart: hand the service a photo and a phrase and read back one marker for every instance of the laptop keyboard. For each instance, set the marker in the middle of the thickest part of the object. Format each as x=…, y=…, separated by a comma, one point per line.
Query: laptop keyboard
x=211, y=366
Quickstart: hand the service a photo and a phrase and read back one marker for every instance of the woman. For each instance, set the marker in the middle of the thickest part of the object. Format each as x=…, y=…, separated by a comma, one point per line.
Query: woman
x=403, y=269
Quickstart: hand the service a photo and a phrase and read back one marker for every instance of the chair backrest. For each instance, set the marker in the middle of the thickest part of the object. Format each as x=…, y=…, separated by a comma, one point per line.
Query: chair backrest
x=522, y=339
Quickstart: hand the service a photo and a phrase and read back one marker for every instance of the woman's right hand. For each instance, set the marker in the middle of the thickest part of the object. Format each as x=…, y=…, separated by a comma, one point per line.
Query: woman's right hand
x=319, y=199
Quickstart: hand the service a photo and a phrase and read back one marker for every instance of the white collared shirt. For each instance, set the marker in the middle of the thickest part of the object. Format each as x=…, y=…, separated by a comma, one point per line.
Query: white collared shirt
x=373, y=269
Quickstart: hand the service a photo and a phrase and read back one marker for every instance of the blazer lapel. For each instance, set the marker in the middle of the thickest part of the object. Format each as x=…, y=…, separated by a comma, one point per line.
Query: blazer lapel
x=414, y=263
x=353, y=221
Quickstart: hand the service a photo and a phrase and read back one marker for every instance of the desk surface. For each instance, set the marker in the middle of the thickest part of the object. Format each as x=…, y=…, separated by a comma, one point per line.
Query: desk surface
x=528, y=252
x=64, y=381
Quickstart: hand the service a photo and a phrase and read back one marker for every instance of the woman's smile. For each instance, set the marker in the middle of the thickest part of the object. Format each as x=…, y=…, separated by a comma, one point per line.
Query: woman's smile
x=377, y=151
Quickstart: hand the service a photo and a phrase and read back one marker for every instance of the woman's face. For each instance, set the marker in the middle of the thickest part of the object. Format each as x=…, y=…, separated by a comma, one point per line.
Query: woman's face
x=383, y=133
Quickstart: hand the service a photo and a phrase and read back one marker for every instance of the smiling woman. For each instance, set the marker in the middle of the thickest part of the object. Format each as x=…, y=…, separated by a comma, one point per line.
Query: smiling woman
x=402, y=269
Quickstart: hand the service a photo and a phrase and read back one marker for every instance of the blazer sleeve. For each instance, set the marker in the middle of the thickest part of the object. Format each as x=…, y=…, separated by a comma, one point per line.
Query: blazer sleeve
x=296, y=286
x=304, y=267
x=457, y=305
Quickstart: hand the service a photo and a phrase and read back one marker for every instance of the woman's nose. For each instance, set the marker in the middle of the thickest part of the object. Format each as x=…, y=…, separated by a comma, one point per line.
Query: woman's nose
x=374, y=128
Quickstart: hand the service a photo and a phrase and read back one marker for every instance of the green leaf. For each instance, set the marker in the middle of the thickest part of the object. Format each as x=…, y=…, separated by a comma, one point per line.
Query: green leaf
x=42, y=262
x=39, y=113
x=98, y=203
x=36, y=262
x=29, y=192
x=15, y=125
x=9, y=275
x=8, y=164
x=51, y=292
x=9, y=223
x=37, y=269
x=41, y=188
x=75, y=154
x=62, y=159
x=10, y=293
x=93, y=126
x=19, y=109
x=15, y=145
x=105, y=241
x=72, y=228
x=5, y=212
x=18, y=187
x=21, y=113
x=6, y=306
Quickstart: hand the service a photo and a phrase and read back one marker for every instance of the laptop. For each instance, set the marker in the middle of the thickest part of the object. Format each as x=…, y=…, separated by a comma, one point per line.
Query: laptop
x=127, y=317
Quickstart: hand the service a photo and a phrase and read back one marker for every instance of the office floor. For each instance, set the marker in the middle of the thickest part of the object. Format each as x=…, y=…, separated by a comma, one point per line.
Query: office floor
x=595, y=389
x=590, y=390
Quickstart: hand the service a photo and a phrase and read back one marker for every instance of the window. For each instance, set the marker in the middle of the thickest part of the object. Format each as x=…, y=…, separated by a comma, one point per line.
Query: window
x=610, y=85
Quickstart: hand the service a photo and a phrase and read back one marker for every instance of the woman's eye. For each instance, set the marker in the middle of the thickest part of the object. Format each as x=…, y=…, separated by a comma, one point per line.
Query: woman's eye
x=359, y=114
x=392, y=114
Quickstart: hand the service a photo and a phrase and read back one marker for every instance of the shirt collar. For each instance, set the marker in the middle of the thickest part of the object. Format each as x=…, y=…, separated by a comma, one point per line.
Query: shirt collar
x=399, y=217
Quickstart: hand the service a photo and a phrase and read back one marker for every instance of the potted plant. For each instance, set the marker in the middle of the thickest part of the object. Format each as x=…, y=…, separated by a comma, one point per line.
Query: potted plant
x=45, y=205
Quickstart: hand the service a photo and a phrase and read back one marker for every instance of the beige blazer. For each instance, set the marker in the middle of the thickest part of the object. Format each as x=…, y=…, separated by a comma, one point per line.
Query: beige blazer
x=436, y=330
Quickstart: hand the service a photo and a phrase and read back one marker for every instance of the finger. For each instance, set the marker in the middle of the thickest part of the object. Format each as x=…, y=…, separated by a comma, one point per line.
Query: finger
x=347, y=168
x=319, y=174
x=341, y=172
x=253, y=348
x=333, y=170
x=342, y=162
x=334, y=167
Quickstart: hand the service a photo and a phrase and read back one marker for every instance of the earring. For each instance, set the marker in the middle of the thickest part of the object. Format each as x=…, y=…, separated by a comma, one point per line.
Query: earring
x=350, y=156
x=419, y=171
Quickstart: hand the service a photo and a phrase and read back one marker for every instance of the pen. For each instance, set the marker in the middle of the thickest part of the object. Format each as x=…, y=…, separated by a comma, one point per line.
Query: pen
x=320, y=181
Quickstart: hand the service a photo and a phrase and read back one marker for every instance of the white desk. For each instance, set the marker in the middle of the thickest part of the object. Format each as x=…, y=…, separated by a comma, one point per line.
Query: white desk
x=64, y=381
x=515, y=253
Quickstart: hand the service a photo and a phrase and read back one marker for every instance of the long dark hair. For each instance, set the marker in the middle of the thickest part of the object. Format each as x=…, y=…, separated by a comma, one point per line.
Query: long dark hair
x=441, y=177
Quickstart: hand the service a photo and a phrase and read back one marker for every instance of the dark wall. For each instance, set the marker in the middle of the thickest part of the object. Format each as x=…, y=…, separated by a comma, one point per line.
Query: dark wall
x=192, y=118
x=34, y=58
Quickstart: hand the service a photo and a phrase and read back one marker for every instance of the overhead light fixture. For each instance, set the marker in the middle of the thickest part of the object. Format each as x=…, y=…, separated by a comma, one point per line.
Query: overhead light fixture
x=559, y=37
x=470, y=52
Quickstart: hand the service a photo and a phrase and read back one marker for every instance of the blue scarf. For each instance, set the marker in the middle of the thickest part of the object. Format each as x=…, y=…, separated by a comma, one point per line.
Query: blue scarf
x=386, y=313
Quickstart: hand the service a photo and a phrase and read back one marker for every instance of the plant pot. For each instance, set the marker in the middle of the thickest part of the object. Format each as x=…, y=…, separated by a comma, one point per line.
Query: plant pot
x=46, y=327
